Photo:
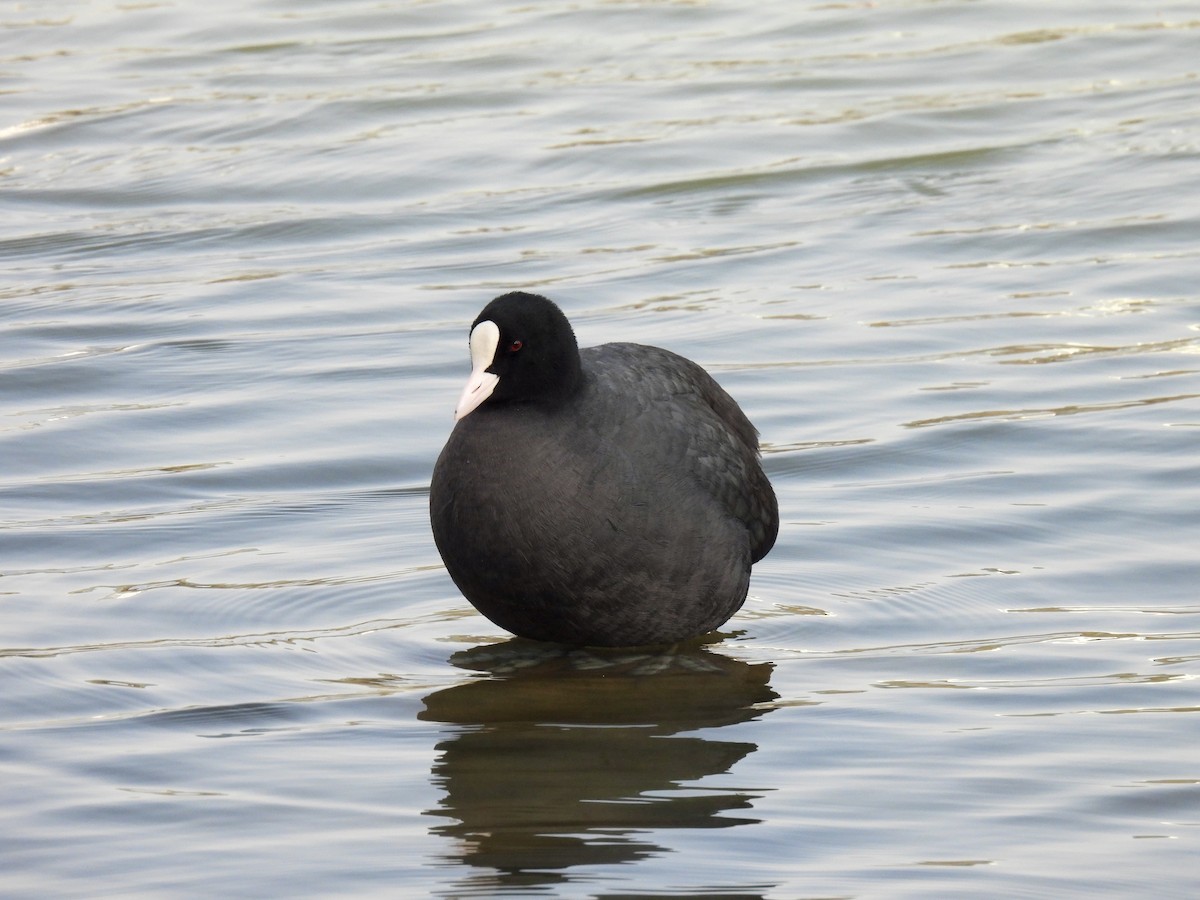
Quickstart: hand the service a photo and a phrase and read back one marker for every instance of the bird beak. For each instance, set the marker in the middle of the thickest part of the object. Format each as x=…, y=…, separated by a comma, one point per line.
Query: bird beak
x=485, y=337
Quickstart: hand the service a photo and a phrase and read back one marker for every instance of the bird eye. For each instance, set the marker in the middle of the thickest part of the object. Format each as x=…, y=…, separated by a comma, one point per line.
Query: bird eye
x=515, y=346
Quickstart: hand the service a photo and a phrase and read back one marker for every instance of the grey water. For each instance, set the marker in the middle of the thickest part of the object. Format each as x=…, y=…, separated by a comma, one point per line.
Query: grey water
x=945, y=253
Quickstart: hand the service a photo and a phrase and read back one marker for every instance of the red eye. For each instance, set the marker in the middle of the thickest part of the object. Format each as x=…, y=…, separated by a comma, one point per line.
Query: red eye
x=515, y=346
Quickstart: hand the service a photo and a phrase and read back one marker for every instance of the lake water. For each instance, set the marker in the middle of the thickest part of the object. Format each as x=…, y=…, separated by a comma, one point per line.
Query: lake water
x=945, y=254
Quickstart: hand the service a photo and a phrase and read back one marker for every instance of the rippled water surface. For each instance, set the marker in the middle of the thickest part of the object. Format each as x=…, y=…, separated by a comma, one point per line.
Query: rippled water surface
x=944, y=253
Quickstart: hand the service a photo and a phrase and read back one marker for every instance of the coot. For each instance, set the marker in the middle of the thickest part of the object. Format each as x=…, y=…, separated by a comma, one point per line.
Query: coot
x=610, y=497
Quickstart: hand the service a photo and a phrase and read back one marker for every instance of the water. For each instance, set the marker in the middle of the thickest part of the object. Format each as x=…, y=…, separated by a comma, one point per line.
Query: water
x=944, y=253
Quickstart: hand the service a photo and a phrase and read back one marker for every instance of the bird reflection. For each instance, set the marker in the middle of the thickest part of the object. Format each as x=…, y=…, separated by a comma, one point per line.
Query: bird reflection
x=563, y=757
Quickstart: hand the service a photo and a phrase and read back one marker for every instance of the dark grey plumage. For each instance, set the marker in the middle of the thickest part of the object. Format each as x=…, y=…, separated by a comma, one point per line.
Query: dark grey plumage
x=614, y=501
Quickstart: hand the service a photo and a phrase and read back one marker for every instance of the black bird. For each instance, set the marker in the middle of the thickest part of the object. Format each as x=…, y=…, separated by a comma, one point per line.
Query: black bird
x=611, y=496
